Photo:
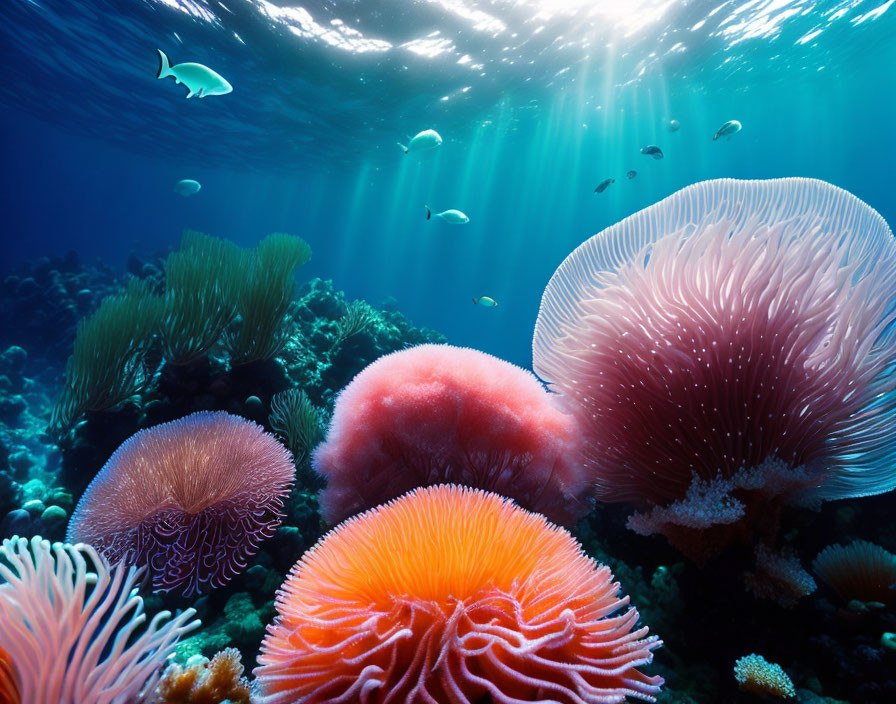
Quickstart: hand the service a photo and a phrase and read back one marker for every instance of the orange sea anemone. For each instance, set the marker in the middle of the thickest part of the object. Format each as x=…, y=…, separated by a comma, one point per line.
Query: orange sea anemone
x=9, y=690
x=452, y=595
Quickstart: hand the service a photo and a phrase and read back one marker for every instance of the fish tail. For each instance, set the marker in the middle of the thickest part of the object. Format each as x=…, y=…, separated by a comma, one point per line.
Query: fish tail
x=403, y=148
x=164, y=65
x=474, y=300
x=428, y=212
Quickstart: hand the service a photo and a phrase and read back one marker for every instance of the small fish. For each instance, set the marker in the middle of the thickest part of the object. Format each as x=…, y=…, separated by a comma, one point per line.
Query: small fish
x=423, y=141
x=604, y=185
x=455, y=217
x=729, y=128
x=631, y=174
x=201, y=80
x=674, y=125
x=187, y=187
x=652, y=150
x=486, y=301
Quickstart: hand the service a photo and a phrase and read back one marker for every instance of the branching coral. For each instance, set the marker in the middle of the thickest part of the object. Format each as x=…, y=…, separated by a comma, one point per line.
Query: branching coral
x=734, y=324
x=861, y=570
x=454, y=596
x=202, y=285
x=265, y=297
x=192, y=499
x=433, y=414
x=205, y=681
x=73, y=627
x=107, y=362
x=755, y=674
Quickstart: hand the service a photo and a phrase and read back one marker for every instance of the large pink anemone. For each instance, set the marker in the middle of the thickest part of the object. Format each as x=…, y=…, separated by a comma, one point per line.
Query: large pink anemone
x=73, y=628
x=728, y=350
x=191, y=499
x=433, y=414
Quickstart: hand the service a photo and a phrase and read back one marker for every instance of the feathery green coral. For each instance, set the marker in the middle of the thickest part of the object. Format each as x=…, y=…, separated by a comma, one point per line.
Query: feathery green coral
x=265, y=297
x=202, y=286
x=297, y=421
x=358, y=315
x=106, y=365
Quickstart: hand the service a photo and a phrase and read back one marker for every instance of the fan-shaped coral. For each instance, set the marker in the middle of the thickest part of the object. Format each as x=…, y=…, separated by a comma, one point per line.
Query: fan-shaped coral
x=452, y=595
x=192, y=499
x=739, y=332
x=73, y=627
x=861, y=570
x=433, y=414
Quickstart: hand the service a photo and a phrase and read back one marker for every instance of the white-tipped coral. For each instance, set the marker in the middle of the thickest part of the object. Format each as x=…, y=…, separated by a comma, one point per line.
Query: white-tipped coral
x=756, y=674
x=73, y=627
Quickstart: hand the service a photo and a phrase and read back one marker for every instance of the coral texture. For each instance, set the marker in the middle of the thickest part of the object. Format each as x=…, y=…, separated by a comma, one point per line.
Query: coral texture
x=434, y=414
x=733, y=324
x=73, y=626
x=860, y=570
x=204, y=681
x=755, y=674
x=192, y=499
x=452, y=595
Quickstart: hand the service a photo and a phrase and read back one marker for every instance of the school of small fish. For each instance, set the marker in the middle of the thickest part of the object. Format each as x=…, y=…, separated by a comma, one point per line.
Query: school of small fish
x=728, y=129
x=201, y=81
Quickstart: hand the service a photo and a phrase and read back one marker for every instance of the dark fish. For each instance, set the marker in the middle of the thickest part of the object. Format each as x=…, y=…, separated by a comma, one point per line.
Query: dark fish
x=631, y=174
x=604, y=185
x=652, y=150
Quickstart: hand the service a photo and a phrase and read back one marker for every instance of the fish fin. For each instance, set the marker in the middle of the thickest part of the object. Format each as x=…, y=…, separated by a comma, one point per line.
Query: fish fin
x=475, y=301
x=164, y=65
x=428, y=212
x=201, y=93
x=190, y=94
x=403, y=148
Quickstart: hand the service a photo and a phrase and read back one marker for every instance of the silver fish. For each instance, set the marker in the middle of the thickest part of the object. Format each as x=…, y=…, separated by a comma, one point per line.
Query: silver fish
x=729, y=128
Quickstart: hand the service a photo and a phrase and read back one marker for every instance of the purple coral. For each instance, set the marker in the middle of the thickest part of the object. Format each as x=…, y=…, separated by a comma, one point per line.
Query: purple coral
x=68, y=623
x=192, y=499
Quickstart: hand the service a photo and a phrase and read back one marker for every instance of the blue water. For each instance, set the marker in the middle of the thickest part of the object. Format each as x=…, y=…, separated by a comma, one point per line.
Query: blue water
x=537, y=103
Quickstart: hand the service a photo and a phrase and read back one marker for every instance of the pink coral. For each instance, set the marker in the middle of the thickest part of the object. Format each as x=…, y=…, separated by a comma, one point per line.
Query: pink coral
x=72, y=626
x=192, y=499
x=435, y=413
x=734, y=328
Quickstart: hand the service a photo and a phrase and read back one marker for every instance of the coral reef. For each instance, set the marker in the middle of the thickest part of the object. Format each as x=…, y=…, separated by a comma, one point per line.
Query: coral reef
x=66, y=624
x=190, y=499
x=506, y=606
x=438, y=414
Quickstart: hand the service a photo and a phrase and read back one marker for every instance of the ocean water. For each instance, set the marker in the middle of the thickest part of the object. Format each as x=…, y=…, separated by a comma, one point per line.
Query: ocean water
x=537, y=102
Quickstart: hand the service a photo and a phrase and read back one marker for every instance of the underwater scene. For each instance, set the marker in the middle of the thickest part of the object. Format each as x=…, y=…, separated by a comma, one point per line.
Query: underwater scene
x=447, y=352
